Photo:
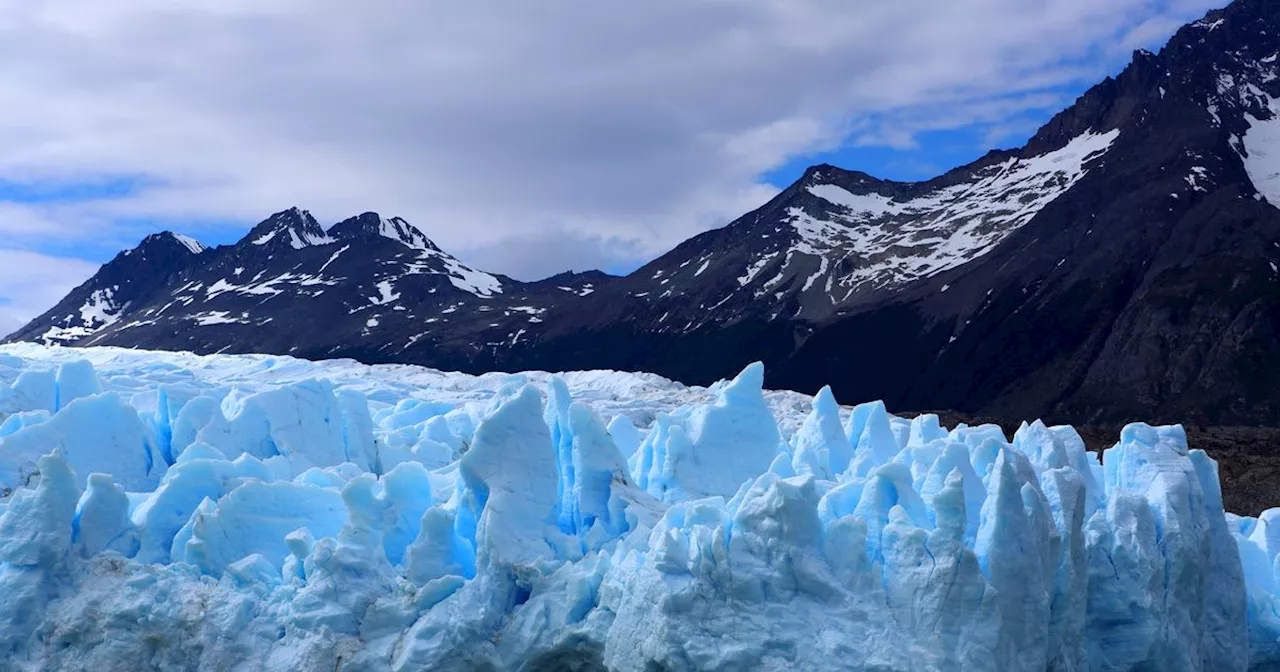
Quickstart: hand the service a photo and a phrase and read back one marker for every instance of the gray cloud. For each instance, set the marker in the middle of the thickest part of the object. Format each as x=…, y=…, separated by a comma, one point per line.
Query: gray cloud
x=539, y=254
x=625, y=127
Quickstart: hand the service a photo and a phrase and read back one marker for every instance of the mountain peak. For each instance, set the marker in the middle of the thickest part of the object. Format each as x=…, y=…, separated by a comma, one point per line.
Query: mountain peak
x=825, y=173
x=124, y=282
x=293, y=227
x=575, y=279
x=169, y=239
x=194, y=246
x=371, y=224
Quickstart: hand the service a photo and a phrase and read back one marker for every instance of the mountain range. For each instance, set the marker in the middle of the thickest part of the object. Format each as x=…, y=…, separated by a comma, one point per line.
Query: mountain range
x=1123, y=264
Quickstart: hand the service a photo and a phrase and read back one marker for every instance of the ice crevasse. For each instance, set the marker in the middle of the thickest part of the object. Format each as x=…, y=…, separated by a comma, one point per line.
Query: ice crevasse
x=167, y=511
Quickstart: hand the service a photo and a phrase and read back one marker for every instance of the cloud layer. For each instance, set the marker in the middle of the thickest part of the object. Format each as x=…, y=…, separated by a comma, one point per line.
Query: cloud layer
x=34, y=282
x=598, y=133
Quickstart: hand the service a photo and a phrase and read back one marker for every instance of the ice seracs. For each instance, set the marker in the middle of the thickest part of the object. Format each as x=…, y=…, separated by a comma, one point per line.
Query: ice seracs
x=822, y=448
x=730, y=440
x=271, y=513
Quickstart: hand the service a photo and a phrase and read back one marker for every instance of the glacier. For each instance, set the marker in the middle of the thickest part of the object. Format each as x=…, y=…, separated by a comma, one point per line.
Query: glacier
x=178, y=512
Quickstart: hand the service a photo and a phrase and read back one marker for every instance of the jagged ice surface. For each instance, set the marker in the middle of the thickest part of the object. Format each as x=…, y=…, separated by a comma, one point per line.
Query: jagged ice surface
x=168, y=511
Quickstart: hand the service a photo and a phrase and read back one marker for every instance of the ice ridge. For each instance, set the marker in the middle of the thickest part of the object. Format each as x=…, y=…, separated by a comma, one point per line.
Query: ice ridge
x=165, y=511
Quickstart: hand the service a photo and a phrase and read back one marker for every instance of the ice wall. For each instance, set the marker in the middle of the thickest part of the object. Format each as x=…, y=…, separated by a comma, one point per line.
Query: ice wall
x=302, y=526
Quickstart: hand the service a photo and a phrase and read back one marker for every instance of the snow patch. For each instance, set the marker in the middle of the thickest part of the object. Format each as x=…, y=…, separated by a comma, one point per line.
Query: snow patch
x=212, y=317
x=193, y=245
x=894, y=242
x=754, y=269
x=1260, y=148
x=100, y=309
x=386, y=294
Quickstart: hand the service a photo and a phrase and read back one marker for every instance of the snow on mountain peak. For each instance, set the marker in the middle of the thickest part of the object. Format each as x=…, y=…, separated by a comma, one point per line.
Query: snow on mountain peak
x=837, y=238
x=168, y=237
x=460, y=275
x=430, y=258
x=870, y=205
x=294, y=226
x=373, y=224
x=398, y=229
x=899, y=239
x=195, y=246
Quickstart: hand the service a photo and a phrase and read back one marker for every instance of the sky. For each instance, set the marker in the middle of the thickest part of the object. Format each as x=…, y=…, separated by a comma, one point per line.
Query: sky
x=526, y=138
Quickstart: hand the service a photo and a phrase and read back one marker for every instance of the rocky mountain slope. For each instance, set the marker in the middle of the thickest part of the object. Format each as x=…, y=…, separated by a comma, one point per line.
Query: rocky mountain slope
x=368, y=287
x=1124, y=263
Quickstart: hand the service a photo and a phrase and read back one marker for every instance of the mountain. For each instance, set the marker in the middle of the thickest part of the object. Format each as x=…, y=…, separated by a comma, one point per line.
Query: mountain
x=368, y=287
x=1123, y=264
x=1147, y=290
x=122, y=284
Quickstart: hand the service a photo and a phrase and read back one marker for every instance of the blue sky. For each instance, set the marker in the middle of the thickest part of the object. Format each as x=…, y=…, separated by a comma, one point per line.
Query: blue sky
x=932, y=153
x=525, y=138
x=935, y=152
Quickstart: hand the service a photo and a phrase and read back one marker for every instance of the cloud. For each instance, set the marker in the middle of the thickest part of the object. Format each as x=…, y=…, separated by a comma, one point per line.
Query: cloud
x=622, y=127
x=34, y=282
x=541, y=254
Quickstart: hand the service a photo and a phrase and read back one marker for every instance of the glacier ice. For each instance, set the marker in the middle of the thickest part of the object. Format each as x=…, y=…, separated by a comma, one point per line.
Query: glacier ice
x=169, y=511
x=95, y=433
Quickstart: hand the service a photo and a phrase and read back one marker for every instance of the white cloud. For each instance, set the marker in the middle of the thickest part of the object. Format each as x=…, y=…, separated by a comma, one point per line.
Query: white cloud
x=34, y=282
x=623, y=127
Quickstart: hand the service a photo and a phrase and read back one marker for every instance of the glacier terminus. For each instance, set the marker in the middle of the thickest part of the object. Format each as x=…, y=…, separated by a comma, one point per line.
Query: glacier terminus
x=247, y=512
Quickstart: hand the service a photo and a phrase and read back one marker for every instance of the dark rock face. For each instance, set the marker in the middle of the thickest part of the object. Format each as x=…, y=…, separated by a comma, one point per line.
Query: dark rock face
x=1123, y=265
x=1146, y=291
x=123, y=284
x=371, y=288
